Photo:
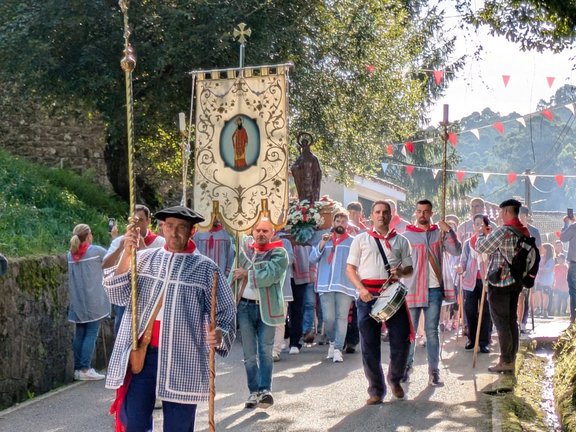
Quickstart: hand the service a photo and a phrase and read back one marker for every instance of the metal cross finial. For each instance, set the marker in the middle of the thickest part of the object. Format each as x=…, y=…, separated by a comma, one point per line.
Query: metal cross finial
x=241, y=33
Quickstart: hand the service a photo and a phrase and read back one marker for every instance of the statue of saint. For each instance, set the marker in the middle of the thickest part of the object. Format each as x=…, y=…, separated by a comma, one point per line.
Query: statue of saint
x=240, y=141
x=306, y=170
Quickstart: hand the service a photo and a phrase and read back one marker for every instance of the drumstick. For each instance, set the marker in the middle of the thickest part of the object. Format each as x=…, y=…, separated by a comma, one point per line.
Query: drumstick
x=212, y=358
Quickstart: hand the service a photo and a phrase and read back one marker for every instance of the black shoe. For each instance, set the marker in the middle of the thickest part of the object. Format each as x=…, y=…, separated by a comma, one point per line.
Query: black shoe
x=265, y=400
x=407, y=373
x=434, y=380
x=469, y=346
x=484, y=349
x=350, y=349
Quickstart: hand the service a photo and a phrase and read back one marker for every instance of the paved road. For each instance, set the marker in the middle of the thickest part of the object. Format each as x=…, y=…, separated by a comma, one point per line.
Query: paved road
x=311, y=394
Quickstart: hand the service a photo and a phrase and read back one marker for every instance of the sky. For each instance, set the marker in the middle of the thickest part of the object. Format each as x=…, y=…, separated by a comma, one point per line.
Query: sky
x=479, y=84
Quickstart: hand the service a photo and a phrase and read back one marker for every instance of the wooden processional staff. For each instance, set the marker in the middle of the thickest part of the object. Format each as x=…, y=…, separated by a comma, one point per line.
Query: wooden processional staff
x=128, y=64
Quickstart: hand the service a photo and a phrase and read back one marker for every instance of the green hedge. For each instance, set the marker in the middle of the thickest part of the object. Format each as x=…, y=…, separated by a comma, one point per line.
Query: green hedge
x=40, y=206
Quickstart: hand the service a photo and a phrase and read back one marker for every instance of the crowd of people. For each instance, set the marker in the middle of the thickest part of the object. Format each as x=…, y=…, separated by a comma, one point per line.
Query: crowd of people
x=356, y=283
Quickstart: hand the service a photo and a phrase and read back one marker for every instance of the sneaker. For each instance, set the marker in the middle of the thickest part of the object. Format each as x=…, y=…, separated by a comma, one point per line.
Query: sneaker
x=294, y=350
x=90, y=375
x=330, y=351
x=252, y=401
x=337, y=356
x=322, y=339
x=76, y=375
x=407, y=373
x=434, y=380
x=285, y=344
x=276, y=357
x=469, y=346
x=265, y=400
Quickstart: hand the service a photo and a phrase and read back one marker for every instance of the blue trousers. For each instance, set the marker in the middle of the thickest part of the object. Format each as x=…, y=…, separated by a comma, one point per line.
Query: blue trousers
x=138, y=405
x=399, y=337
x=84, y=344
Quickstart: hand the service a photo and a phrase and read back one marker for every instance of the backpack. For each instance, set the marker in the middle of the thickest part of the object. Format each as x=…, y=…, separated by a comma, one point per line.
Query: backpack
x=526, y=260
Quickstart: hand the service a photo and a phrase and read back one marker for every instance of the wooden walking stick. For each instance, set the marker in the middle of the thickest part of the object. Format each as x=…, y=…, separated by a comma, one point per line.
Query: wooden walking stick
x=460, y=315
x=128, y=64
x=212, y=358
x=480, y=312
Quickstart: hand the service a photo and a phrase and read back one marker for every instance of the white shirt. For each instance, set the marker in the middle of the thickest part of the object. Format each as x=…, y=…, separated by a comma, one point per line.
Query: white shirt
x=365, y=256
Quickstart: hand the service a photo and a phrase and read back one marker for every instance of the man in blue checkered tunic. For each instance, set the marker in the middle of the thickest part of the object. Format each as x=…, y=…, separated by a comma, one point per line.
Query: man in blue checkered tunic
x=176, y=364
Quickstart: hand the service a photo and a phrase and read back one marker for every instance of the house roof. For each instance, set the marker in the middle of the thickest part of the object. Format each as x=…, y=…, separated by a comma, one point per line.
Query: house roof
x=549, y=223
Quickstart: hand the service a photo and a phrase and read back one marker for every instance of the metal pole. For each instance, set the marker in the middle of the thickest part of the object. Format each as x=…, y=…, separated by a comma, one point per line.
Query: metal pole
x=527, y=190
x=128, y=64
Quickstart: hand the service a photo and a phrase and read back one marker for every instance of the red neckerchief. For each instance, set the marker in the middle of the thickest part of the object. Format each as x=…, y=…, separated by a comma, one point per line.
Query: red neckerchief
x=386, y=238
x=515, y=223
x=150, y=237
x=267, y=246
x=215, y=228
x=335, y=242
x=80, y=252
x=473, y=241
x=190, y=247
x=414, y=228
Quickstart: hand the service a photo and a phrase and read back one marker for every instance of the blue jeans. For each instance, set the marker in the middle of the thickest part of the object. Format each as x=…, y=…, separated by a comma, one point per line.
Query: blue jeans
x=572, y=290
x=84, y=344
x=310, y=311
x=118, y=314
x=138, y=405
x=257, y=344
x=431, y=321
x=335, y=308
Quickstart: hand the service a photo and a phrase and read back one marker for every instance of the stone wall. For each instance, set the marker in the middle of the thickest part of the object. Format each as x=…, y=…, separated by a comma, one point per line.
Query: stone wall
x=75, y=140
x=35, y=336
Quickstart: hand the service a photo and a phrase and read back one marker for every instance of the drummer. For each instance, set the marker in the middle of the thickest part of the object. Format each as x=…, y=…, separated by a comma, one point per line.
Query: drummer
x=368, y=268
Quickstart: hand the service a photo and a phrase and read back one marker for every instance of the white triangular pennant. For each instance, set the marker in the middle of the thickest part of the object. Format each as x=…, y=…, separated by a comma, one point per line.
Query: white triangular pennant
x=486, y=176
x=521, y=121
x=476, y=133
x=532, y=178
x=404, y=151
x=435, y=172
x=570, y=107
x=429, y=140
x=384, y=167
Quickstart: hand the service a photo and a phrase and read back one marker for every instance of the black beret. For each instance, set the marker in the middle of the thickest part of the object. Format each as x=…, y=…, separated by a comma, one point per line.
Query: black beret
x=511, y=203
x=179, y=212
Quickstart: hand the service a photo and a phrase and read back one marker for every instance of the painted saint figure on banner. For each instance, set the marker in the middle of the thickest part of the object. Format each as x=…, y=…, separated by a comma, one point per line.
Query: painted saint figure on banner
x=240, y=142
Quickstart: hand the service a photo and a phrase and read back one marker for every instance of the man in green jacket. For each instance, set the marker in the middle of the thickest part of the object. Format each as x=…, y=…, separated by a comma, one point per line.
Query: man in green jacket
x=258, y=281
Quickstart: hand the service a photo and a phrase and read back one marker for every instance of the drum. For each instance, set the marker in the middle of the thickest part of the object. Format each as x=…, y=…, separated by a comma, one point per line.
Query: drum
x=388, y=303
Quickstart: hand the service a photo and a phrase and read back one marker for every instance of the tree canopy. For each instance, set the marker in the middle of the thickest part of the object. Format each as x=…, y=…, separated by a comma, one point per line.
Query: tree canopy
x=361, y=77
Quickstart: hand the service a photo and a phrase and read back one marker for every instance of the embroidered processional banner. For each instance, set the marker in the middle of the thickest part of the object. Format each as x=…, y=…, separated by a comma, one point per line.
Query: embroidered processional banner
x=241, y=152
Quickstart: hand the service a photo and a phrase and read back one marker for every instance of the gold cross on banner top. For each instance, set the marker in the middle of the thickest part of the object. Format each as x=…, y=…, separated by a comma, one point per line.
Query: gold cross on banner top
x=241, y=33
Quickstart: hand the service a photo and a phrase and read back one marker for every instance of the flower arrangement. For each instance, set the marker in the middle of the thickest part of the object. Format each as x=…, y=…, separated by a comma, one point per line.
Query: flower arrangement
x=305, y=217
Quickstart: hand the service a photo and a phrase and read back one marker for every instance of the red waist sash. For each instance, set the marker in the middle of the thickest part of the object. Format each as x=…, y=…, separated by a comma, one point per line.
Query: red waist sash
x=375, y=285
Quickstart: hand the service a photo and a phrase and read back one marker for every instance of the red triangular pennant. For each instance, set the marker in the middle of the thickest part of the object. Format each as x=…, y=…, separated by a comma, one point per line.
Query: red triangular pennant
x=389, y=150
x=409, y=146
x=453, y=138
x=409, y=169
x=557, y=234
x=550, y=81
x=460, y=175
x=370, y=68
x=499, y=126
x=559, y=179
x=512, y=177
x=548, y=114
x=505, y=78
x=438, y=76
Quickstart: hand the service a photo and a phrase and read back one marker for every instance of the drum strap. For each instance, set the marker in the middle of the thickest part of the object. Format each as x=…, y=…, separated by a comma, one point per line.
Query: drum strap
x=381, y=249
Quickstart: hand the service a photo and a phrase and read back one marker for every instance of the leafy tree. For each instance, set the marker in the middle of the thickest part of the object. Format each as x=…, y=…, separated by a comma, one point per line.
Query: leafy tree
x=533, y=24
x=360, y=76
